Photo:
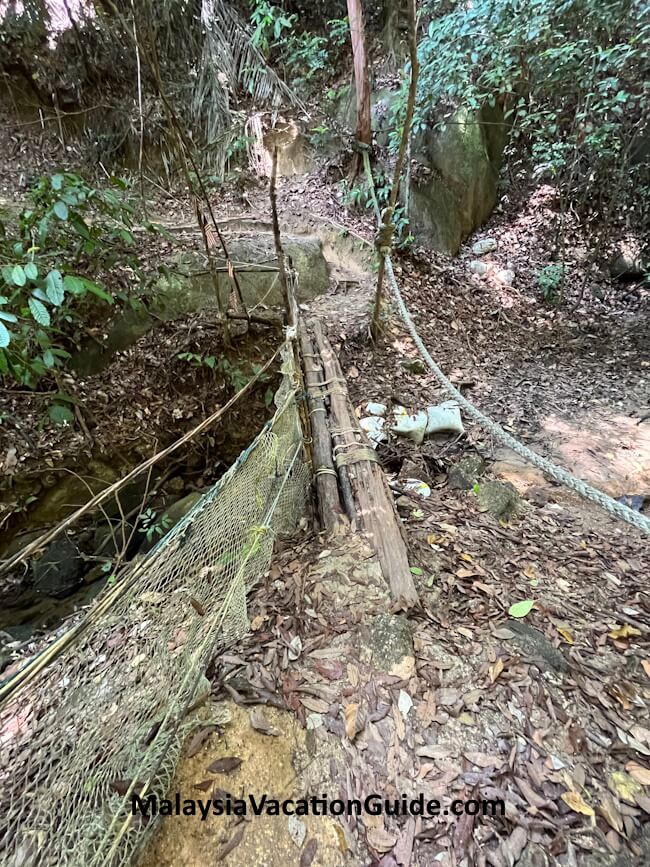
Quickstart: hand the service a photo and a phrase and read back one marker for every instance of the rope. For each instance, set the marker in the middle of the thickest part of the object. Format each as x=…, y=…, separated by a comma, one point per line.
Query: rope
x=618, y=510
x=363, y=453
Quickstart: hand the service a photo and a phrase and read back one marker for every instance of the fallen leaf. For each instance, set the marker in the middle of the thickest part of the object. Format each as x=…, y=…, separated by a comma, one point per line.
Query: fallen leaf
x=381, y=840
x=196, y=605
x=575, y=802
x=260, y=723
x=624, y=786
x=199, y=739
x=640, y=773
x=352, y=720
x=566, y=635
x=646, y=666
x=225, y=766
x=624, y=631
x=504, y=633
x=234, y=841
x=297, y=830
x=495, y=670
x=204, y=785
x=316, y=705
x=521, y=609
x=309, y=852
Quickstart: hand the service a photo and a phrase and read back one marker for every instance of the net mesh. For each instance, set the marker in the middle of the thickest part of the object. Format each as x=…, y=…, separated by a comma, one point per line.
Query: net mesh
x=108, y=714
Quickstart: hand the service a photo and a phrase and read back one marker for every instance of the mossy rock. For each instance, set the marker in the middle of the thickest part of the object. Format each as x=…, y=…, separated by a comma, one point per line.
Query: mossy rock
x=499, y=499
x=463, y=159
x=466, y=473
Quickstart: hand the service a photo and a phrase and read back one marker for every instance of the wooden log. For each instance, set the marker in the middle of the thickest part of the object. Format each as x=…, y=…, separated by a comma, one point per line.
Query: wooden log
x=330, y=511
x=376, y=508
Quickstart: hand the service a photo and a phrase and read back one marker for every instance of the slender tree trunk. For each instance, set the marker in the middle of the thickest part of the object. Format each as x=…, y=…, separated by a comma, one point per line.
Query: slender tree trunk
x=363, y=133
x=385, y=236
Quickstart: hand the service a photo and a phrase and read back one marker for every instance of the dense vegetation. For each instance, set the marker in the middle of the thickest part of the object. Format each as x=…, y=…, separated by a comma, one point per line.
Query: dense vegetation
x=569, y=81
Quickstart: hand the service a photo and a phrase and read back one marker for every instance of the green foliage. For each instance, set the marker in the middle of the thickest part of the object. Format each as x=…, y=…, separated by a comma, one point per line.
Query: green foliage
x=358, y=196
x=69, y=227
x=153, y=525
x=305, y=56
x=572, y=78
x=549, y=280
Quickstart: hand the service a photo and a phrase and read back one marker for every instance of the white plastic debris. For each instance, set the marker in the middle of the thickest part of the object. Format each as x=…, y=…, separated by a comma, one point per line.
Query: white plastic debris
x=376, y=408
x=417, y=486
x=486, y=245
x=372, y=426
x=444, y=417
x=404, y=703
x=412, y=427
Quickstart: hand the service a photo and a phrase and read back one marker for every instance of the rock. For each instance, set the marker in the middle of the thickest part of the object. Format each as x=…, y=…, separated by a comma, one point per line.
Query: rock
x=536, y=646
x=498, y=498
x=388, y=642
x=485, y=245
x=415, y=366
x=187, y=288
x=507, y=277
x=181, y=507
x=478, y=267
x=59, y=571
x=466, y=473
x=456, y=189
x=628, y=265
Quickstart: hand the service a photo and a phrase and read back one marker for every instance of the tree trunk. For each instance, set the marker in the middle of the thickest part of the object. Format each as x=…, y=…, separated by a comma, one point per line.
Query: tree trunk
x=363, y=133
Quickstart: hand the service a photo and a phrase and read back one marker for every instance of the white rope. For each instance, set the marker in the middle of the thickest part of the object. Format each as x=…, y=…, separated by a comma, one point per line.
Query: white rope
x=618, y=510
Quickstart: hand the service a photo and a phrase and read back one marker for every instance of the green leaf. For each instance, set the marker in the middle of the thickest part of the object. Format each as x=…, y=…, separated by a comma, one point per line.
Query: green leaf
x=18, y=276
x=521, y=609
x=6, y=272
x=5, y=337
x=61, y=210
x=416, y=570
x=48, y=358
x=39, y=311
x=94, y=289
x=54, y=287
x=74, y=285
x=60, y=414
x=31, y=271
x=57, y=181
x=8, y=317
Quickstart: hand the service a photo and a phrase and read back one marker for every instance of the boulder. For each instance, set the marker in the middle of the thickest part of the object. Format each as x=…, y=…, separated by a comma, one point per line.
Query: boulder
x=187, y=287
x=59, y=571
x=456, y=189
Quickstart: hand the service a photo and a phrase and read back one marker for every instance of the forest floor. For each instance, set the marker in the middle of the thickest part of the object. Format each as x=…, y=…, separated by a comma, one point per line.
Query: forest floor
x=549, y=714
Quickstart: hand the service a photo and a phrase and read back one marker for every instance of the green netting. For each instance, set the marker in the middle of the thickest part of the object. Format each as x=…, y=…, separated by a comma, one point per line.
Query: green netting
x=109, y=713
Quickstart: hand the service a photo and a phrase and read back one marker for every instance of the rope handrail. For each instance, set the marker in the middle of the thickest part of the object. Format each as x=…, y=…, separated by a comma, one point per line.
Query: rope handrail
x=609, y=504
